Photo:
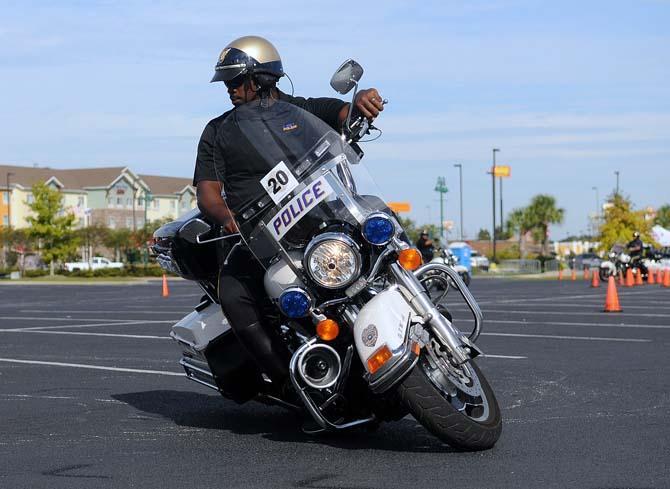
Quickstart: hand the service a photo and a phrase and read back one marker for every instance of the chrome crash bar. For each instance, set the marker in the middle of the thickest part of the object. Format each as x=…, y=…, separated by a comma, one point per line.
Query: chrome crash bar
x=462, y=288
x=460, y=346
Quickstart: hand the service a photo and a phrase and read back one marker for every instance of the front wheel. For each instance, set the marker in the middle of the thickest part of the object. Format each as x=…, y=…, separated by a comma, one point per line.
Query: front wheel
x=456, y=404
x=604, y=274
x=465, y=276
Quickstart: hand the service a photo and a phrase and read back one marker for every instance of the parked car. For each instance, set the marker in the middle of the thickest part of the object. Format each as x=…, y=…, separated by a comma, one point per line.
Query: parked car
x=479, y=261
x=97, y=263
x=585, y=260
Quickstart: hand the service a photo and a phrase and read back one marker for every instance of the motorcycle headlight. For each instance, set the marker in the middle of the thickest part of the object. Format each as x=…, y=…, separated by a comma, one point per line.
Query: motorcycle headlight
x=333, y=260
x=378, y=229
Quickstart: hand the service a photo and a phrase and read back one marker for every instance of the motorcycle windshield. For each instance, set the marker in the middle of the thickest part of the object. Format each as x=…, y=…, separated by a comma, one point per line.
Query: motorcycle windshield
x=307, y=181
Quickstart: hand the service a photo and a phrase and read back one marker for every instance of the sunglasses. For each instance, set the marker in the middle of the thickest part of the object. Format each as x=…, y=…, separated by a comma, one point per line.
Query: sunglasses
x=235, y=82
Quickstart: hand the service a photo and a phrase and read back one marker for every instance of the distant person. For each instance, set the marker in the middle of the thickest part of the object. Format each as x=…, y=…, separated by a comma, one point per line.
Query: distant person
x=635, y=248
x=425, y=246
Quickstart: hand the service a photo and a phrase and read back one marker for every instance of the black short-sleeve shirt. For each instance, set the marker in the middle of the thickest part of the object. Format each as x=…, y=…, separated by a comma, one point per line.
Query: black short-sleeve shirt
x=223, y=155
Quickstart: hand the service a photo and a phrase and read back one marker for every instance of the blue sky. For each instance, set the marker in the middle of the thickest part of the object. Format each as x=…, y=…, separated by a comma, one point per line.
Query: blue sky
x=569, y=91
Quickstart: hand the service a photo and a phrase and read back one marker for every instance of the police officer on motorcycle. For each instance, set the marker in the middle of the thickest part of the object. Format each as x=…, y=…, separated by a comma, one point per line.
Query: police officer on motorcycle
x=425, y=246
x=635, y=248
x=227, y=164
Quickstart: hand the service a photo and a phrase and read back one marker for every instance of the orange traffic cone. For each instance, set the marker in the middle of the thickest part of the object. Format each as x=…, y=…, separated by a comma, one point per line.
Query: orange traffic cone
x=629, y=278
x=621, y=280
x=166, y=291
x=612, y=298
x=661, y=276
x=595, y=282
x=638, y=277
x=560, y=273
x=650, y=278
x=666, y=278
x=587, y=271
x=573, y=275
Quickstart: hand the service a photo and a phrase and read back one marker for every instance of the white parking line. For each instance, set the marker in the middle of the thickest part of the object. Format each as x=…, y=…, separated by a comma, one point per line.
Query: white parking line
x=565, y=323
x=582, y=304
x=93, y=325
x=557, y=337
x=31, y=318
x=561, y=297
x=80, y=333
x=93, y=367
x=569, y=313
x=117, y=311
x=508, y=357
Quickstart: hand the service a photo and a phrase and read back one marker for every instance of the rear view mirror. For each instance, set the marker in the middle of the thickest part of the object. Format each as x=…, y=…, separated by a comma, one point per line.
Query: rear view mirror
x=193, y=229
x=346, y=77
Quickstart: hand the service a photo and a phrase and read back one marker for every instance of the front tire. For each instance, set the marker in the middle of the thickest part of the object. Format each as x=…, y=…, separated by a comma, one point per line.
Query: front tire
x=453, y=419
x=604, y=274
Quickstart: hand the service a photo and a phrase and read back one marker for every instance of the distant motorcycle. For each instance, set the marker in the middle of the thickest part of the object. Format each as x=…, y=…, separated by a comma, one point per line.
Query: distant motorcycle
x=620, y=262
x=446, y=257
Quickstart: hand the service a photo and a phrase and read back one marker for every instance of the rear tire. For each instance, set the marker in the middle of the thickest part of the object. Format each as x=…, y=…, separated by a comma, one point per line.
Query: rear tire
x=439, y=416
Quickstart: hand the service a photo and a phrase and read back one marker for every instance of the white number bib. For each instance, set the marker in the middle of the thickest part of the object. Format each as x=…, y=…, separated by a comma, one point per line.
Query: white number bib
x=279, y=182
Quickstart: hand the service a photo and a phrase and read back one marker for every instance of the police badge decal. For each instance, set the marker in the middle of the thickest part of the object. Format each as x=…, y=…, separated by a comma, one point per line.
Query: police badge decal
x=369, y=336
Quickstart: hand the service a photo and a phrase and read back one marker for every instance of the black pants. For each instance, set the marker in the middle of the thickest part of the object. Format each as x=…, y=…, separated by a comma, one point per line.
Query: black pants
x=247, y=307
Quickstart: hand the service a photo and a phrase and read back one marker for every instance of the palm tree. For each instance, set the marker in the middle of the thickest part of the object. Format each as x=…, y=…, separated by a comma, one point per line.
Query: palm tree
x=542, y=212
x=518, y=222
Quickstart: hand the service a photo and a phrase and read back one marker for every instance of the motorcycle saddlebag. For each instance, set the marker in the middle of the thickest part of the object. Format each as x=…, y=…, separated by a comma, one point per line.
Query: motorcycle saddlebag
x=235, y=373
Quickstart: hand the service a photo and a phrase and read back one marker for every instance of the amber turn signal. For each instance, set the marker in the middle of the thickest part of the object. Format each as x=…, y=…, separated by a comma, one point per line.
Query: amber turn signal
x=379, y=358
x=410, y=259
x=327, y=329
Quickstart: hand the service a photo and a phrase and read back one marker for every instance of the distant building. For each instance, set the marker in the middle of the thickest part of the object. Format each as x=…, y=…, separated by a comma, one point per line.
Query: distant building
x=115, y=197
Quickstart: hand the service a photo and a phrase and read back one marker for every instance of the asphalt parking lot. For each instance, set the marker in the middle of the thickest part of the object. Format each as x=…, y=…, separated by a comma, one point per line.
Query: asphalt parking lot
x=91, y=395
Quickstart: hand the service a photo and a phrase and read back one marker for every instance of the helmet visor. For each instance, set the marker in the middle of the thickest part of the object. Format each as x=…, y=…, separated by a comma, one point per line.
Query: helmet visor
x=231, y=64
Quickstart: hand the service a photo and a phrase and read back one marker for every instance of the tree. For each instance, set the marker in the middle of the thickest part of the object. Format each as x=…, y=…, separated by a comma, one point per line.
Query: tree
x=621, y=221
x=542, y=212
x=503, y=234
x=484, y=235
x=50, y=226
x=413, y=230
x=518, y=221
x=91, y=237
x=118, y=240
x=663, y=216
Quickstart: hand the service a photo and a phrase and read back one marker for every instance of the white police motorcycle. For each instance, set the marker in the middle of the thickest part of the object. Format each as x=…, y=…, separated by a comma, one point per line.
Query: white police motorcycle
x=368, y=344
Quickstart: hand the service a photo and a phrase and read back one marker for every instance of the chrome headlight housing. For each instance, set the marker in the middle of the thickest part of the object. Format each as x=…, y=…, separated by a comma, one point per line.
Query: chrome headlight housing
x=333, y=260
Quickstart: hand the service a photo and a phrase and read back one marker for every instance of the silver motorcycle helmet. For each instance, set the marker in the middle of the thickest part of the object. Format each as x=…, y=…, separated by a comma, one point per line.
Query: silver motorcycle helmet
x=248, y=55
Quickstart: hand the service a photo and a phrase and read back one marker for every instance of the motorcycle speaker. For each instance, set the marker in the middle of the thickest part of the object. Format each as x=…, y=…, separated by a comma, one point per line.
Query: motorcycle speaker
x=320, y=366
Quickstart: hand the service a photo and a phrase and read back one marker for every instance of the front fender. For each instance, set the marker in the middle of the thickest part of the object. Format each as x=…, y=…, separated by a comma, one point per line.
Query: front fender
x=385, y=321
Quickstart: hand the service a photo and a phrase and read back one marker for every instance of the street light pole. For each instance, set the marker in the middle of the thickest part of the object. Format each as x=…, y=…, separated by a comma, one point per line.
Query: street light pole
x=493, y=182
x=9, y=202
x=502, y=221
x=617, y=182
x=460, y=193
x=597, y=218
x=441, y=187
x=147, y=198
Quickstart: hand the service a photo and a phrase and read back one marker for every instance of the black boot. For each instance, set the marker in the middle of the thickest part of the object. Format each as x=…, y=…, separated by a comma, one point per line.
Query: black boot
x=270, y=354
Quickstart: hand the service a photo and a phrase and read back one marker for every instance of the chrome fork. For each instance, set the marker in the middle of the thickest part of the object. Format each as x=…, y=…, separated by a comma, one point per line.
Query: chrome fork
x=460, y=347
